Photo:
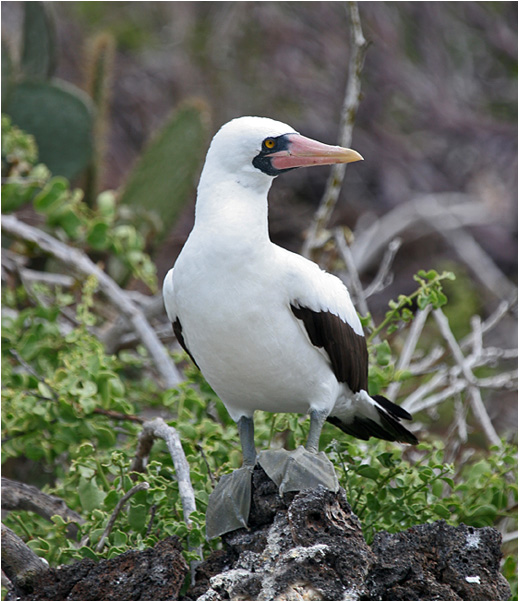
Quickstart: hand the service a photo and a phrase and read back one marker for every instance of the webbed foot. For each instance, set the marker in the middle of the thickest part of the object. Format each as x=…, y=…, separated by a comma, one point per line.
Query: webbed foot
x=229, y=503
x=299, y=469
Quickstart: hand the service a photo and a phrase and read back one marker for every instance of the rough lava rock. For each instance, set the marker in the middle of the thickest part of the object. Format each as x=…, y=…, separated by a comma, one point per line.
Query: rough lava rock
x=156, y=573
x=310, y=546
x=304, y=546
x=438, y=562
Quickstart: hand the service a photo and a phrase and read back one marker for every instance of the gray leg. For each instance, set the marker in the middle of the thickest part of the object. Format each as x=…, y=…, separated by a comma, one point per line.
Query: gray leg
x=302, y=468
x=246, y=430
x=317, y=420
x=229, y=504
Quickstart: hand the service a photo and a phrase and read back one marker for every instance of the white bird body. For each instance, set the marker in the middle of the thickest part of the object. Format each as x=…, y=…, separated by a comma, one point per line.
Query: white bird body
x=255, y=317
x=236, y=319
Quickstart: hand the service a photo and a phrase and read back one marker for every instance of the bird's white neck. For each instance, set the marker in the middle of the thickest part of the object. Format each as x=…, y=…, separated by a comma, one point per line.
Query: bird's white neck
x=233, y=207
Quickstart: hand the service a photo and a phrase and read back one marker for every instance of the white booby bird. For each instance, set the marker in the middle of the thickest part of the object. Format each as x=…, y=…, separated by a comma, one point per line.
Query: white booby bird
x=268, y=328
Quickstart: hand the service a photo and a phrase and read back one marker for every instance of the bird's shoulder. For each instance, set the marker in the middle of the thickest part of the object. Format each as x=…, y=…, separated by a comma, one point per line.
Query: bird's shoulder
x=308, y=286
x=168, y=295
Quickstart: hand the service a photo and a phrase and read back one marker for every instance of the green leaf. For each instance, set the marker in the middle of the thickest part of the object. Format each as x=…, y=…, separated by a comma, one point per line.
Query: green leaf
x=368, y=472
x=484, y=514
x=120, y=539
x=383, y=353
x=386, y=459
x=137, y=516
x=68, y=220
x=106, y=437
x=90, y=495
x=98, y=237
x=111, y=499
x=86, y=552
x=442, y=511
x=52, y=195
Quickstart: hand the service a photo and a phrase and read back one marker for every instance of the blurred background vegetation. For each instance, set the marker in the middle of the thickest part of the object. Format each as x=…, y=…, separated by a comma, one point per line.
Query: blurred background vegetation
x=438, y=111
x=125, y=96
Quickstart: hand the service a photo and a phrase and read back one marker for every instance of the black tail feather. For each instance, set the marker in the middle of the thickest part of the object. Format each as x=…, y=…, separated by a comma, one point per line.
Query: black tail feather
x=390, y=427
x=391, y=407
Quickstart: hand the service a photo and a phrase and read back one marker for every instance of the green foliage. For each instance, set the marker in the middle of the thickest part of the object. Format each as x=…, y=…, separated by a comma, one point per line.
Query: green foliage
x=72, y=410
x=59, y=420
x=164, y=178
x=400, y=314
x=19, y=150
x=392, y=489
x=103, y=230
x=48, y=408
x=430, y=292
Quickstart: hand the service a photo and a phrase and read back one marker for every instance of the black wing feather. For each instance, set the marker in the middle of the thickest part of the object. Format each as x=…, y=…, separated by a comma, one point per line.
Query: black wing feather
x=177, y=329
x=348, y=355
x=346, y=349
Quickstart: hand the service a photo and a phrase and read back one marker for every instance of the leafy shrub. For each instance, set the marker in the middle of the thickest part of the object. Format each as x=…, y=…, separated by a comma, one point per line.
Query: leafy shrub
x=75, y=411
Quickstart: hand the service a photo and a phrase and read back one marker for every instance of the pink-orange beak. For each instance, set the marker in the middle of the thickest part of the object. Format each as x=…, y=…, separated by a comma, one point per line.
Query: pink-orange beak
x=304, y=152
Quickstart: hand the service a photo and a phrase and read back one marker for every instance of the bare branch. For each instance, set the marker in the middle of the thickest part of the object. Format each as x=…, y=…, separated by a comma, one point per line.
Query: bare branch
x=118, y=415
x=409, y=348
x=19, y=562
x=474, y=257
x=358, y=291
x=480, y=412
x=383, y=277
x=424, y=403
x=510, y=536
x=158, y=429
x=121, y=332
x=139, y=487
x=475, y=394
x=501, y=311
x=348, y=114
x=413, y=217
x=445, y=329
x=30, y=276
x=461, y=420
x=19, y=496
x=80, y=262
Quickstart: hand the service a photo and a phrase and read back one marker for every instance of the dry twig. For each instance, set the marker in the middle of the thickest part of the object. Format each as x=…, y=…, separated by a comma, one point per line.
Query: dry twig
x=158, y=429
x=21, y=565
x=19, y=496
x=345, y=252
x=348, y=114
x=80, y=262
x=139, y=487
x=475, y=394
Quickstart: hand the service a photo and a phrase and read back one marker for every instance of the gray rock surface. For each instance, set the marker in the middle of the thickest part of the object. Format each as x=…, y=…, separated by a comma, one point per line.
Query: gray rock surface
x=305, y=546
x=310, y=546
x=156, y=573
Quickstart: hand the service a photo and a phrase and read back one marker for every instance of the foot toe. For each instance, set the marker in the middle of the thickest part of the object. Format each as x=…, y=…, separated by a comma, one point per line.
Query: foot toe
x=299, y=469
x=229, y=503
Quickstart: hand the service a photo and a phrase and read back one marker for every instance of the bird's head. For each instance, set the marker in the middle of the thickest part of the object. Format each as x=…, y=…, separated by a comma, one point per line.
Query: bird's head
x=249, y=145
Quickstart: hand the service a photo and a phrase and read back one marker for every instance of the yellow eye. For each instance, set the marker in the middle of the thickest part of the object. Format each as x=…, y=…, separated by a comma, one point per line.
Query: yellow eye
x=269, y=143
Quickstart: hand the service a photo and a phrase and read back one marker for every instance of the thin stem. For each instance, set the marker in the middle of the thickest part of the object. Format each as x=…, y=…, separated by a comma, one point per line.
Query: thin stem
x=139, y=487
